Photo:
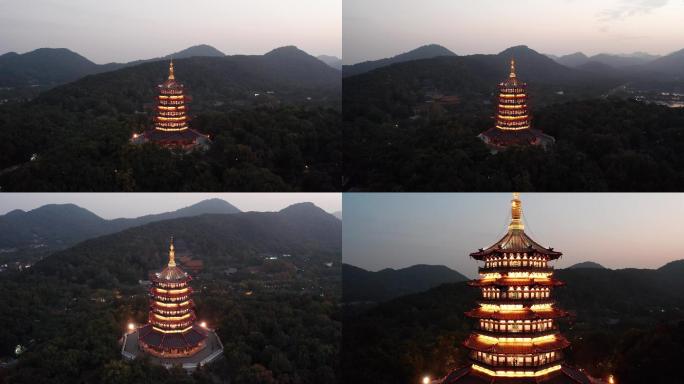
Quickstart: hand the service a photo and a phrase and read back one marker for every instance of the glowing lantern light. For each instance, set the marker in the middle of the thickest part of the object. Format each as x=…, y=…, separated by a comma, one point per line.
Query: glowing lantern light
x=203, y=324
x=131, y=326
x=426, y=380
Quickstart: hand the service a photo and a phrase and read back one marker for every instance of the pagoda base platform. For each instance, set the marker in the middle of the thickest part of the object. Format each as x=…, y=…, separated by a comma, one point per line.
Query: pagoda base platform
x=212, y=351
x=468, y=375
x=187, y=140
x=498, y=139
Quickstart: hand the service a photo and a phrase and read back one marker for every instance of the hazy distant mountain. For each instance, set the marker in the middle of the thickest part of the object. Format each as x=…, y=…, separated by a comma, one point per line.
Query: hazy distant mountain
x=587, y=264
x=573, y=60
x=578, y=59
x=284, y=70
x=424, y=52
x=337, y=214
x=598, y=68
x=298, y=67
x=332, y=61
x=58, y=226
x=673, y=268
x=672, y=64
x=44, y=66
x=197, y=50
x=50, y=67
x=361, y=285
x=618, y=61
x=304, y=230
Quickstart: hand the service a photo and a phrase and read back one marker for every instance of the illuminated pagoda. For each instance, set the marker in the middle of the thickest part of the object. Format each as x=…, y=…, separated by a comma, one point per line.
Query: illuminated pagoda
x=513, y=122
x=515, y=338
x=171, y=127
x=171, y=335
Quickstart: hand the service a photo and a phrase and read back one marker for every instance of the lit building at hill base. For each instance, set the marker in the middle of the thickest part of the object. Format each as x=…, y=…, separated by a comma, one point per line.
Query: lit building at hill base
x=171, y=128
x=171, y=335
x=513, y=122
x=515, y=337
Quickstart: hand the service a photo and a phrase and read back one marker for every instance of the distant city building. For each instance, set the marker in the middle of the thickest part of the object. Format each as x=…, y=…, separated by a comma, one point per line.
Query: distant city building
x=171, y=122
x=171, y=335
x=516, y=338
x=513, y=122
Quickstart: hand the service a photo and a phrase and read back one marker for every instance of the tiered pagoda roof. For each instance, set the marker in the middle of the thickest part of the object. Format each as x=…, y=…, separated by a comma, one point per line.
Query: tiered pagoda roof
x=171, y=330
x=171, y=127
x=513, y=121
x=516, y=338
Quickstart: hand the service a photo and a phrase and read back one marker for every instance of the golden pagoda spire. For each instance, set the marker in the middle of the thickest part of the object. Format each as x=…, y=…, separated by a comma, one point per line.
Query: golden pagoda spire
x=512, y=75
x=516, y=213
x=172, y=251
x=171, y=75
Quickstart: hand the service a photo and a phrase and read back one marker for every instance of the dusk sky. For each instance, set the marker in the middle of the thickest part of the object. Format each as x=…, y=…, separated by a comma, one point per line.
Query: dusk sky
x=115, y=205
x=616, y=230
x=383, y=28
x=126, y=30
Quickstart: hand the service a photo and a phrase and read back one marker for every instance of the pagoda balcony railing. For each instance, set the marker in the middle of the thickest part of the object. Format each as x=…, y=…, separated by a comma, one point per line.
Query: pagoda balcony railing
x=171, y=312
x=514, y=282
x=524, y=302
x=519, y=101
x=512, y=112
x=510, y=268
x=164, y=284
x=524, y=365
x=519, y=331
x=516, y=297
x=171, y=91
x=507, y=89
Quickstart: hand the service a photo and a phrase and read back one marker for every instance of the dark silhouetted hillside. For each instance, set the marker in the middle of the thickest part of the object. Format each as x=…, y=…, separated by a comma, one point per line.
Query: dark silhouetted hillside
x=361, y=285
x=587, y=264
x=332, y=61
x=573, y=60
x=620, y=319
x=303, y=231
x=424, y=52
x=44, y=66
x=58, y=226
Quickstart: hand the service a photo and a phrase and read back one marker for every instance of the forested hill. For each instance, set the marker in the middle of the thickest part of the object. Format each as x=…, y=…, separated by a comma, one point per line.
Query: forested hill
x=400, y=134
x=361, y=285
x=622, y=321
x=269, y=287
x=273, y=119
x=423, y=52
x=304, y=231
x=57, y=226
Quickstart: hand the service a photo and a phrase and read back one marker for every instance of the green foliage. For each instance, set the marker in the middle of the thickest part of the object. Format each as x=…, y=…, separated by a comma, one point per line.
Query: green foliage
x=71, y=308
x=601, y=145
x=80, y=132
x=632, y=329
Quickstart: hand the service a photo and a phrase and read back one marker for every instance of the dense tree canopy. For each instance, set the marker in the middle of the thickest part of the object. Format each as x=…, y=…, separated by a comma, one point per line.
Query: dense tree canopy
x=273, y=129
x=278, y=320
x=628, y=323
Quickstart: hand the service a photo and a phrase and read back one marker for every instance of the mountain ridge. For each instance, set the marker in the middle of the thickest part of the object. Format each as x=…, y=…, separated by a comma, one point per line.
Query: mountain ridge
x=55, y=66
x=423, y=52
x=56, y=226
x=360, y=285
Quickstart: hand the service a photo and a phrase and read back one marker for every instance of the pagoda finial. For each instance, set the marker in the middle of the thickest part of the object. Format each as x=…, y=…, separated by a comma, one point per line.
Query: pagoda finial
x=171, y=75
x=172, y=251
x=512, y=75
x=516, y=213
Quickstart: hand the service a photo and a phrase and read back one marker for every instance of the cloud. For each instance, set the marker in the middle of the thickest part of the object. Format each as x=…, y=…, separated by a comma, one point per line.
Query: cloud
x=628, y=8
